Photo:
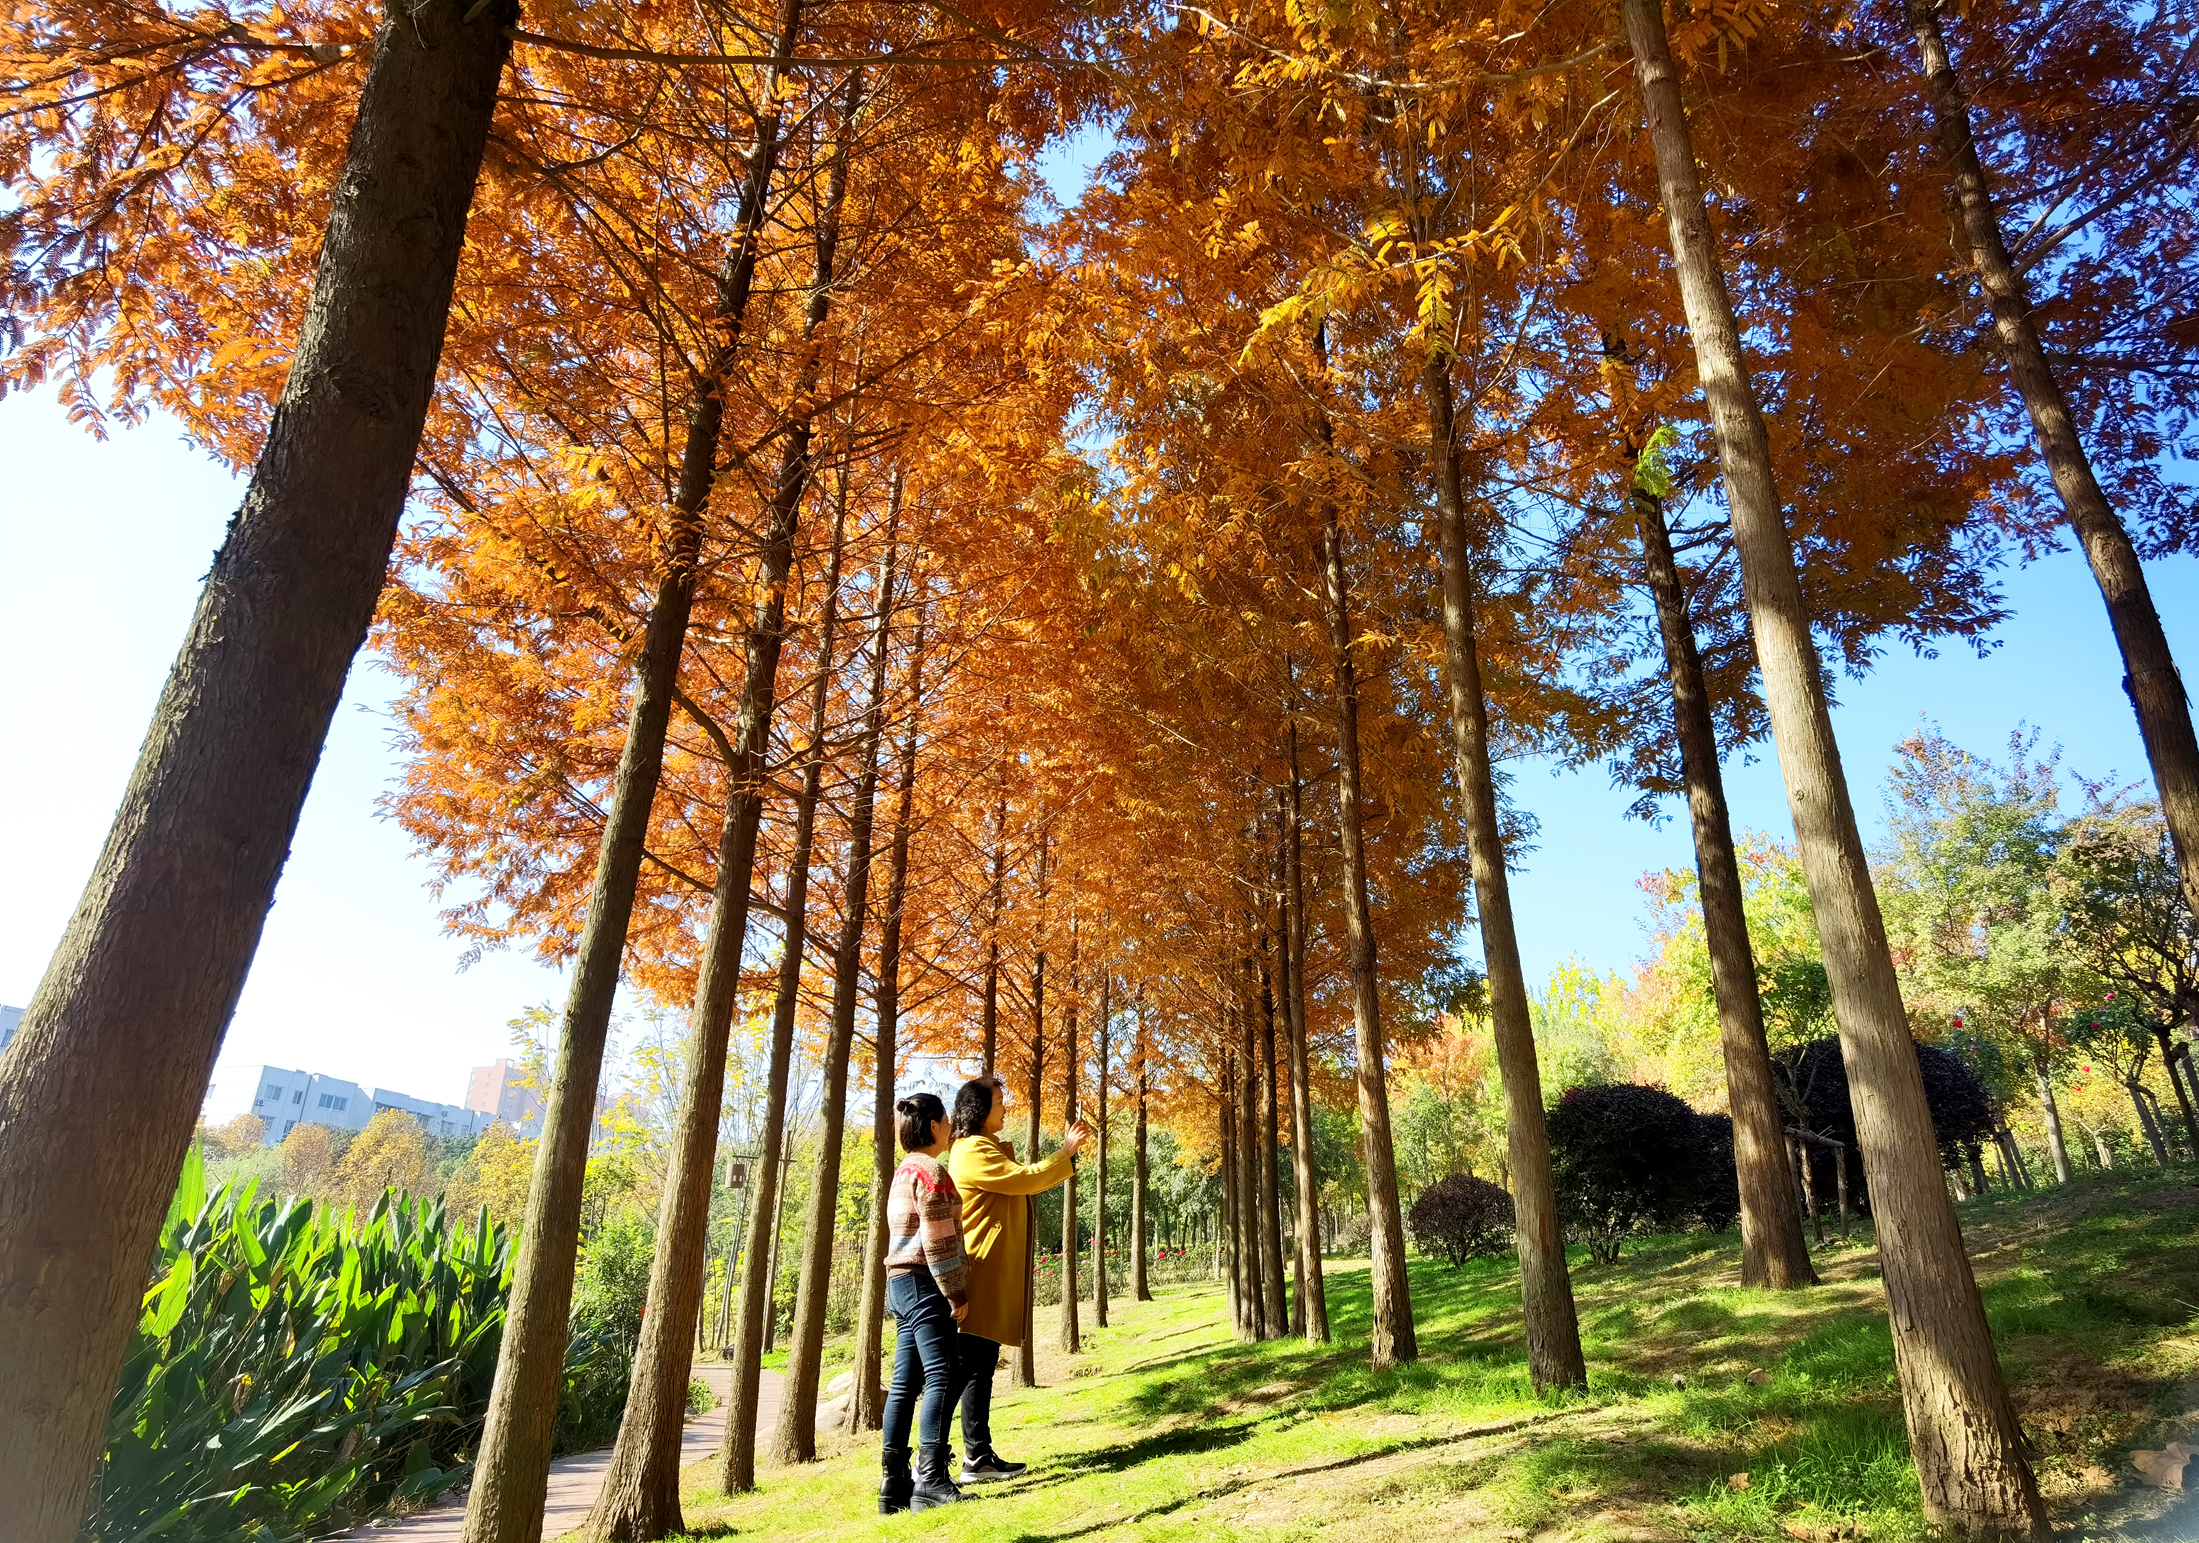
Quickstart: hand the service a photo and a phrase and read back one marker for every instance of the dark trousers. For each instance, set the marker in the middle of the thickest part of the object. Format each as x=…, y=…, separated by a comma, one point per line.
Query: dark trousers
x=924, y=1364
x=978, y=1359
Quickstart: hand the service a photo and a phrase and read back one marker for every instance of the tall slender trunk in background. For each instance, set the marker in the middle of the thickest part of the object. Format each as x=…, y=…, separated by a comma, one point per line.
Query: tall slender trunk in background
x=138, y=995
x=795, y=1440
x=1554, y=1356
x=2171, y=1054
x=1395, y=1338
x=1773, y=1251
x=2150, y=679
x=754, y=1325
x=2151, y=1131
x=867, y=1398
x=640, y=1495
x=1275, y=1301
x=1312, y=1319
x=2056, y=1147
x=1225, y=1129
x=1963, y=1433
x=1024, y=1373
x=1141, y=1289
x=1251, y=1287
x=1099, y=1161
x=1072, y=1339
x=989, y=1020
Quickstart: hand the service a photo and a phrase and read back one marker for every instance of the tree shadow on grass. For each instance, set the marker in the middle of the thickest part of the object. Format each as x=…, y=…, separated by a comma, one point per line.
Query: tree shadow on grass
x=1236, y=1435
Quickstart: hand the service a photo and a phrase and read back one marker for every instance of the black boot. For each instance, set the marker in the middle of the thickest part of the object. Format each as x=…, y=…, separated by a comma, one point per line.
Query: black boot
x=932, y=1487
x=895, y=1487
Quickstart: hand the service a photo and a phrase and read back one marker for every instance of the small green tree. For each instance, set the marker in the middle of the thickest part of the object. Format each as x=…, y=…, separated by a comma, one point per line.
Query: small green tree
x=1626, y=1159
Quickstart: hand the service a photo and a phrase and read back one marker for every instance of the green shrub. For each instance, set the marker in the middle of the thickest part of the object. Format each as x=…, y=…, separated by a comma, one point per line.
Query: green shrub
x=1626, y=1158
x=297, y=1371
x=294, y=1373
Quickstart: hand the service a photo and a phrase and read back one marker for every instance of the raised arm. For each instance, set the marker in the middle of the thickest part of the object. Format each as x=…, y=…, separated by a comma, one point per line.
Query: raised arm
x=985, y=1167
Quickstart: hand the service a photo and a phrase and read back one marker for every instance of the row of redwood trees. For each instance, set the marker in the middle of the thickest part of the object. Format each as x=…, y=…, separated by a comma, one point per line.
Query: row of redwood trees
x=754, y=392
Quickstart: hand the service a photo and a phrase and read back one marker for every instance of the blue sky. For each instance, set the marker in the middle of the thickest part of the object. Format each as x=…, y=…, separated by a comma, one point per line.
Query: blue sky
x=103, y=545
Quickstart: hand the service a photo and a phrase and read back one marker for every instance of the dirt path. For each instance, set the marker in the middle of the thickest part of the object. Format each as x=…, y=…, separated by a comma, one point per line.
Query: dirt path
x=575, y=1480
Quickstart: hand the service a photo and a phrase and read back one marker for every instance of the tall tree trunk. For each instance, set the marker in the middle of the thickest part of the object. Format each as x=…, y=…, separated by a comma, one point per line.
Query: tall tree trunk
x=1251, y=1288
x=2171, y=1053
x=989, y=1021
x=137, y=996
x=756, y=1321
x=1395, y=1338
x=2151, y=1131
x=1275, y=1302
x=867, y=1398
x=1962, y=1428
x=1099, y=1161
x=1773, y=1251
x=1024, y=1374
x=505, y=1502
x=1554, y=1356
x=795, y=1440
x=1314, y=1302
x=1141, y=1289
x=2150, y=678
x=1225, y=1217
x=2056, y=1147
x=640, y=1497
x=1072, y=1338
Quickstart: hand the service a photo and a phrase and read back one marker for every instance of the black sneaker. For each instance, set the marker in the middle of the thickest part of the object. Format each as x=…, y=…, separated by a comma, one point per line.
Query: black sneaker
x=989, y=1469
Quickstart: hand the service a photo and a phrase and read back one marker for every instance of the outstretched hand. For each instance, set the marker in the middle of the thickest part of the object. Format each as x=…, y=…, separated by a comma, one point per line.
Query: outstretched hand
x=1079, y=1133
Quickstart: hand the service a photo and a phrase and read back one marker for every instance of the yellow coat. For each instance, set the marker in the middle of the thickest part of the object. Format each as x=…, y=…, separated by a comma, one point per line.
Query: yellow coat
x=996, y=1230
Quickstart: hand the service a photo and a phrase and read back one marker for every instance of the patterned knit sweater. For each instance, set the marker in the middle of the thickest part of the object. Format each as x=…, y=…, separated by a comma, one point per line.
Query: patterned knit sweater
x=924, y=1225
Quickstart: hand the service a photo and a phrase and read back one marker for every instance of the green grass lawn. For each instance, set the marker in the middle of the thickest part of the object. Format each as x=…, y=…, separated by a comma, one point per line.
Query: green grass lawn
x=1165, y=1428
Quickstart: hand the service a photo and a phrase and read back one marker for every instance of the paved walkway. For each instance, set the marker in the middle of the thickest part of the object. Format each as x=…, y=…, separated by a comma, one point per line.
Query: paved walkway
x=575, y=1480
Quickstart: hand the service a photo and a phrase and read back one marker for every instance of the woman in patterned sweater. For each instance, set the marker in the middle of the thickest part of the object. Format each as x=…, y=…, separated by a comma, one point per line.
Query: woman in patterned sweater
x=927, y=1291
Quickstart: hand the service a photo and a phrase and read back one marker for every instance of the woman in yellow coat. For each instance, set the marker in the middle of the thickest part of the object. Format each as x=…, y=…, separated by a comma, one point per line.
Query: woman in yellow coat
x=996, y=1231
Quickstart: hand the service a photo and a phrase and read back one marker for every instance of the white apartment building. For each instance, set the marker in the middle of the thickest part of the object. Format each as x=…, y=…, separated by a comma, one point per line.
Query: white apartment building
x=9, y=1018
x=284, y=1098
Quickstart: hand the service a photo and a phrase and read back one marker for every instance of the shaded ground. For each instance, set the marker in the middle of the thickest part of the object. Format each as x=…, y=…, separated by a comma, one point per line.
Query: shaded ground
x=1166, y=1429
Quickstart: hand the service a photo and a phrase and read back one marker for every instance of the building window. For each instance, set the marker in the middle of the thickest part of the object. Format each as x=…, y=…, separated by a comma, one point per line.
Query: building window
x=273, y=1094
x=331, y=1101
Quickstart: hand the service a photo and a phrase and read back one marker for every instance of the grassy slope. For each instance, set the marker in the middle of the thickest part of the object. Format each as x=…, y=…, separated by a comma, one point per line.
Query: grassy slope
x=1166, y=1429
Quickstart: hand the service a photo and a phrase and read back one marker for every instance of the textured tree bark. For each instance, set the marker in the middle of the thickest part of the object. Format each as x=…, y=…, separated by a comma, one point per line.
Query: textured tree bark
x=1140, y=1289
x=1773, y=1252
x=989, y=1021
x=867, y=1399
x=1394, y=1336
x=1024, y=1374
x=1546, y=1288
x=1963, y=1432
x=2150, y=677
x=755, y=1321
x=512, y=1470
x=640, y=1499
x=1072, y=1337
x=1252, y=1286
x=137, y=996
x=1099, y=1160
x=1275, y=1303
x=795, y=1440
x=2056, y=1147
x=2171, y=1054
x=1313, y=1317
x=1225, y=1220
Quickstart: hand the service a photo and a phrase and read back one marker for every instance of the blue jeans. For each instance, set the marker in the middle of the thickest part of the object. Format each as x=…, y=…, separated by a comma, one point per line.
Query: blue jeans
x=923, y=1363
